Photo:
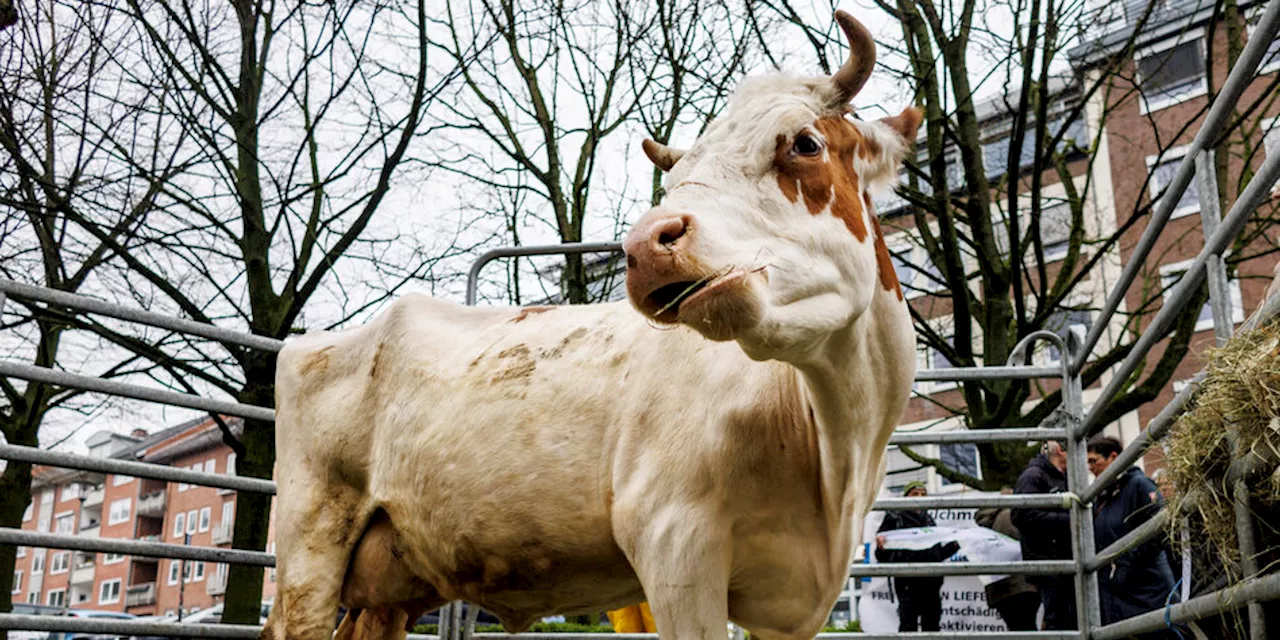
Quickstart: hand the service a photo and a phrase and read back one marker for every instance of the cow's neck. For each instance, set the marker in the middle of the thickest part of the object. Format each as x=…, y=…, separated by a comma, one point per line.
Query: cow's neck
x=850, y=393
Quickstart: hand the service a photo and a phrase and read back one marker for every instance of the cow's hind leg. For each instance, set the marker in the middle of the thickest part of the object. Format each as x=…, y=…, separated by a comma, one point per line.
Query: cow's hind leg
x=317, y=525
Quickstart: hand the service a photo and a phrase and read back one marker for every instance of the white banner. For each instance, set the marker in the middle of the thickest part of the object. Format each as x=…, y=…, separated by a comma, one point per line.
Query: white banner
x=964, y=600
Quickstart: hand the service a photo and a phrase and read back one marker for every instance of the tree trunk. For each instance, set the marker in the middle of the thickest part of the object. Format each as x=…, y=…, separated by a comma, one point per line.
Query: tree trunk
x=15, y=496
x=253, y=510
x=8, y=16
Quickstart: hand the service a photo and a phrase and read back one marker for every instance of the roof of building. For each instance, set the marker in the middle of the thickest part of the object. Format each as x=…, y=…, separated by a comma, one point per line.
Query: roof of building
x=1117, y=21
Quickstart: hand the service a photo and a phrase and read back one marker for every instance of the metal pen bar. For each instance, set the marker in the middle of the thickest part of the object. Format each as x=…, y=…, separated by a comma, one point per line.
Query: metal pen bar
x=1259, y=189
x=1026, y=500
x=950, y=635
x=1229, y=599
x=137, y=392
x=473, y=276
x=986, y=373
x=19, y=537
x=927, y=569
x=1151, y=528
x=134, y=469
x=1241, y=75
x=18, y=622
x=978, y=435
x=93, y=305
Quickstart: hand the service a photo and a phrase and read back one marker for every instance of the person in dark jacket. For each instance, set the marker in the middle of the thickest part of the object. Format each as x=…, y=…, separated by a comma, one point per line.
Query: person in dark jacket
x=1141, y=579
x=919, y=599
x=1014, y=597
x=1046, y=535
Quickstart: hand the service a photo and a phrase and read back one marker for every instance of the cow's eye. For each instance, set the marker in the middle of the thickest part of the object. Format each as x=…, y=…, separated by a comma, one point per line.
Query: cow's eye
x=806, y=145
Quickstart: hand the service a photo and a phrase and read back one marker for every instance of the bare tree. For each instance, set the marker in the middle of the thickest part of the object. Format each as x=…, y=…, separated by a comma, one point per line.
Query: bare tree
x=293, y=120
x=565, y=86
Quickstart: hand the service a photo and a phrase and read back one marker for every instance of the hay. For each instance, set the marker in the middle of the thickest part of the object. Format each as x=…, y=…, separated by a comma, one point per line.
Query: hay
x=1242, y=392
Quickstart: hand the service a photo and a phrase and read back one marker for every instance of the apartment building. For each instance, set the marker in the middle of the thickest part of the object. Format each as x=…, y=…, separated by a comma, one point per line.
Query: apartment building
x=114, y=506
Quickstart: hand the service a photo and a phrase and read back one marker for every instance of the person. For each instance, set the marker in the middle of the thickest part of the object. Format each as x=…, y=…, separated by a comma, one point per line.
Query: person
x=1141, y=579
x=1046, y=535
x=919, y=599
x=1014, y=597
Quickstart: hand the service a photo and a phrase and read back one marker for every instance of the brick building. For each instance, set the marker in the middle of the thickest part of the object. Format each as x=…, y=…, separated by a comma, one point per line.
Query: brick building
x=87, y=504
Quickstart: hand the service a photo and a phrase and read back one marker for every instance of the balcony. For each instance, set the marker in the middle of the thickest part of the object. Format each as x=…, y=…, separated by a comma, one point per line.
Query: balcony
x=152, y=505
x=94, y=497
x=91, y=531
x=216, y=583
x=82, y=573
x=222, y=533
x=140, y=595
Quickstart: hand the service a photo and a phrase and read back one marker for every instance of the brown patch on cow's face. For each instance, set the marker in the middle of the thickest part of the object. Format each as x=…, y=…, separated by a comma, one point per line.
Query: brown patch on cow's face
x=826, y=178
x=525, y=312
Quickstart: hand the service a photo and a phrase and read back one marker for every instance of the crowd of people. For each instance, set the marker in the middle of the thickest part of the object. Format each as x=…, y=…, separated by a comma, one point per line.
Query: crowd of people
x=1138, y=581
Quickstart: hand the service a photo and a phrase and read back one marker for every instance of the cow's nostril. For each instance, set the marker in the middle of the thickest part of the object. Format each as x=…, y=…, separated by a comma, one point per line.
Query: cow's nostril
x=671, y=231
x=631, y=262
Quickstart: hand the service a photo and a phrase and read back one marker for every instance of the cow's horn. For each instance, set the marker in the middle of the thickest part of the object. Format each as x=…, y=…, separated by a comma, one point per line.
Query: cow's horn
x=862, y=59
x=661, y=155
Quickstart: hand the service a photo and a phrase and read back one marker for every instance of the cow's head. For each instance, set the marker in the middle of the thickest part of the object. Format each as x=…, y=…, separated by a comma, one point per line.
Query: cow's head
x=767, y=235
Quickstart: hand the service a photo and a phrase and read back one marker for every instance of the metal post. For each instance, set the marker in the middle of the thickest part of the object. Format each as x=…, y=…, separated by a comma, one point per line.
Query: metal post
x=182, y=575
x=1088, y=609
x=1223, y=325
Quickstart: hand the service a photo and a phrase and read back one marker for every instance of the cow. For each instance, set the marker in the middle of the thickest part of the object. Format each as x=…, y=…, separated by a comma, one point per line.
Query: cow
x=711, y=447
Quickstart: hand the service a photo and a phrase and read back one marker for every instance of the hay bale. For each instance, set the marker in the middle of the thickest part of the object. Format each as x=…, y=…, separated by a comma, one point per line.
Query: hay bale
x=1241, y=392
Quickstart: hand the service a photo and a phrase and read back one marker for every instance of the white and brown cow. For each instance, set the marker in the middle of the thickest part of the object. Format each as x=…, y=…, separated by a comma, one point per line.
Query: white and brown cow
x=714, y=453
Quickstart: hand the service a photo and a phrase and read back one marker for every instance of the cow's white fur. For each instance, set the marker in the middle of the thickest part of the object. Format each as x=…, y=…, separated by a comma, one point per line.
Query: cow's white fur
x=583, y=458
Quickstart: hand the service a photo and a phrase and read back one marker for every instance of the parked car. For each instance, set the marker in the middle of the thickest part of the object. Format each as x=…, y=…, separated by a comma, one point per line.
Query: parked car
x=34, y=610
x=90, y=613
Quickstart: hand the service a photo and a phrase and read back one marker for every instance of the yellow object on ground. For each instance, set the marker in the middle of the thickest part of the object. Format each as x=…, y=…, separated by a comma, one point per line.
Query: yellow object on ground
x=636, y=618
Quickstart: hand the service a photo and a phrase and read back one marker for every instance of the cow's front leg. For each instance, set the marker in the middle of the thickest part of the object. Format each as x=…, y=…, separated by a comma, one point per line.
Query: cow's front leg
x=682, y=559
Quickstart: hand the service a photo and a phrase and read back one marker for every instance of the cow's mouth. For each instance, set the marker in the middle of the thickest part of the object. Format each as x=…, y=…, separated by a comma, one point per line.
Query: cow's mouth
x=666, y=302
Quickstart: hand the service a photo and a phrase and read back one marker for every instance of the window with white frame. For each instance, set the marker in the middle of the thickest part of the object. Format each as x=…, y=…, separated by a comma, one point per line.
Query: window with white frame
x=112, y=558
x=1171, y=72
x=186, y=571
x=937, y=360
x=109, y=591
x=1064, y=322
x=1055, y=230
x=1170, y=274
x=228, y=512
x=179, y=524
x=37, y=561
x=1270, y=61
x=120, y=510
x=901, y=470
x=65, y=523
x=174, y=566
x=198, y=573
x=211, y=466
x=1163, y=168
x=205, y=514
x=33, y=597
x=916, y=272
x=118, y=480
x=191, y=521
x=17, y=582
x=71, y=491
x=44, y=524
x=231, y=464
x=56, y=598
x=60, y=562
x=1270, y=135
x=961, y=457
x=29, y=513
x=21, y=552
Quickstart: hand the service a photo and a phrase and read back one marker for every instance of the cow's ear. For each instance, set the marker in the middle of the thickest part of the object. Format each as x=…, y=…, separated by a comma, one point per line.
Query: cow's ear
x=907, y=123
x=661, y=155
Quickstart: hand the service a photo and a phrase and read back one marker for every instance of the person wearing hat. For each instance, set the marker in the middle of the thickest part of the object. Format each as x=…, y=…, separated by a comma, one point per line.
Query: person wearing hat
x=919, y=599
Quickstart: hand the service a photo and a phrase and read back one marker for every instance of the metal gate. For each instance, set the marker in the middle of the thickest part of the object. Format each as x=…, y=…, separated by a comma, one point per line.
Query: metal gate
x=1070, y=424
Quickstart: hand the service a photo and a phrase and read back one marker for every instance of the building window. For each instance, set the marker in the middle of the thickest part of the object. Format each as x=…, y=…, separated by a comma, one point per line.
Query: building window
x=60, y=562
x=961, y=457
x=27, y=515
x=211, y=466
x=37, y=562
x=112, y=558
x=1270, y=134
x=937, y=361
x=199, y=572
x=1171, y=74
x=1270, y=60
x=118, y=480
x=65, y=523
x=191, y=521
x=17, y=582
x=179, y=524
x=109, y=591
x=205, y=514
x=1163, y=168
x=173, y=571
x=21, y=553
x=228, y=512
x=1170, y=274
x=231, y=464
x=33, y=597
x=1065, y=322
x=916, y=272
x=120, y=511
x=56, y=598
x=71, y=491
